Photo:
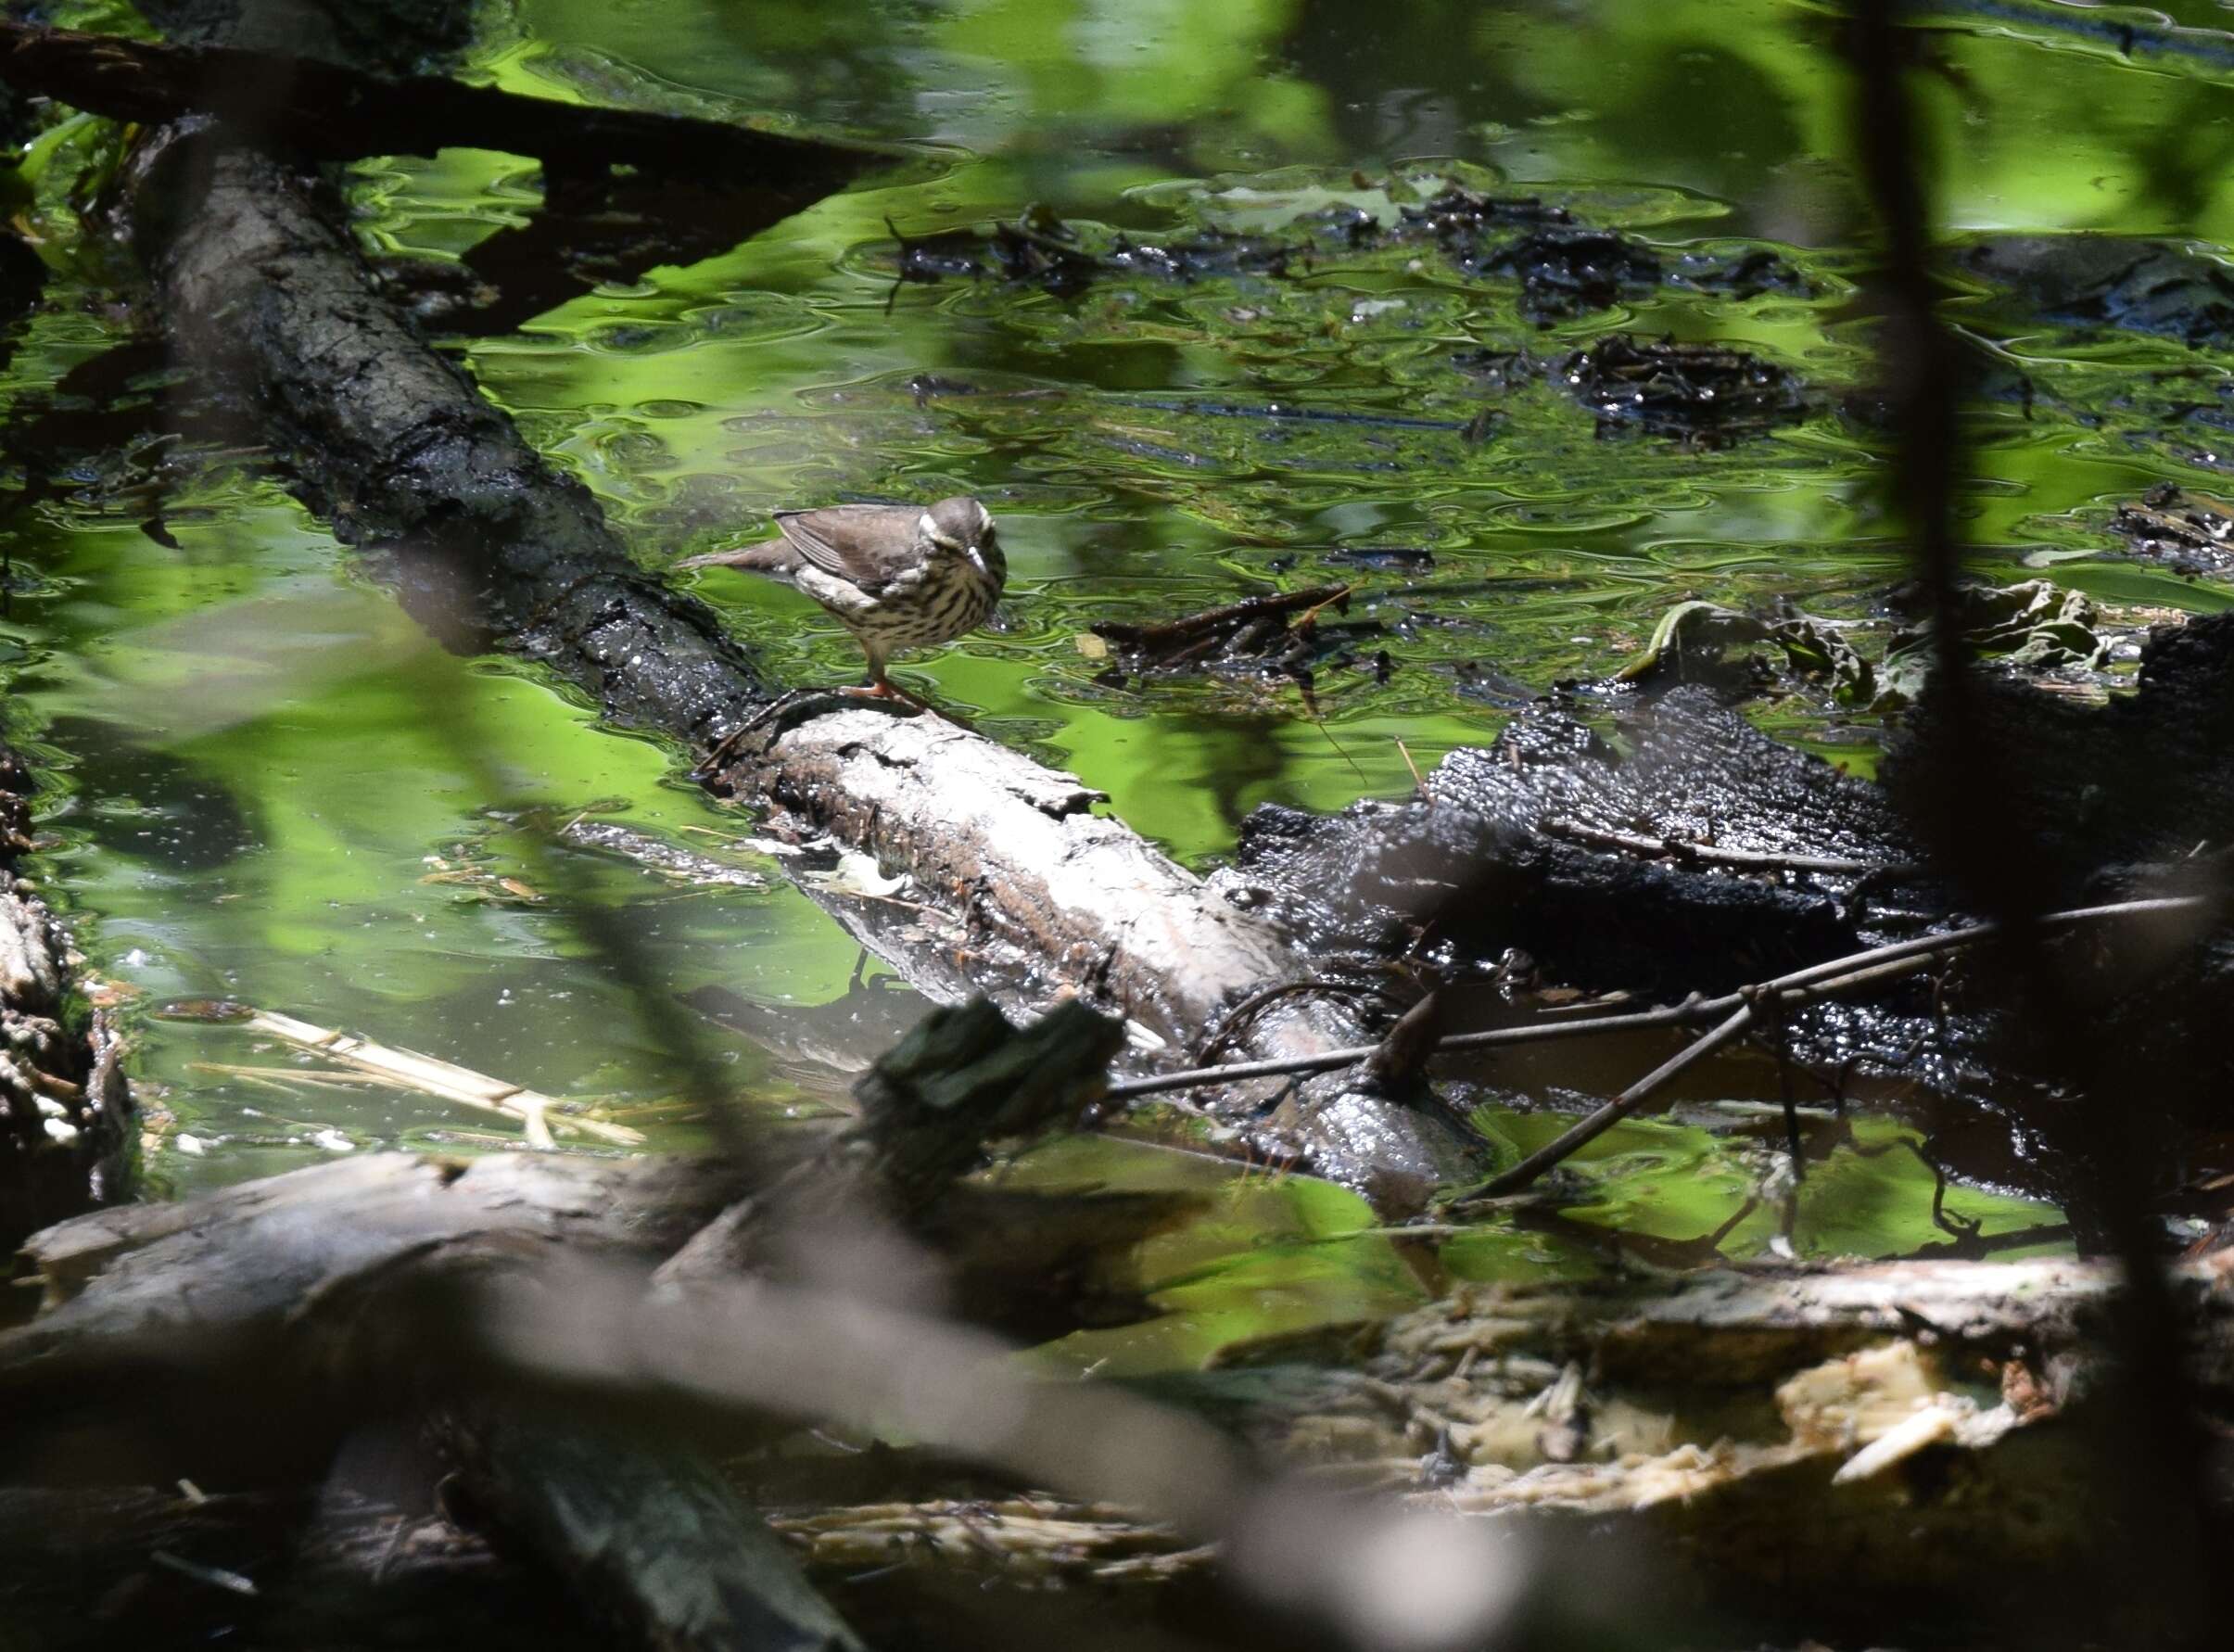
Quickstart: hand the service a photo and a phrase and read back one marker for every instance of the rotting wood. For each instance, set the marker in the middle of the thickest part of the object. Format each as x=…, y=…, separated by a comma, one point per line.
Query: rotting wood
x=1851, y=1369
x=1021, y=1538
x=1870, y=1441
x=1852, y=1444
x=318, y=1302
x=1799, y=1427
x=64, y=1104
x=285, y=1312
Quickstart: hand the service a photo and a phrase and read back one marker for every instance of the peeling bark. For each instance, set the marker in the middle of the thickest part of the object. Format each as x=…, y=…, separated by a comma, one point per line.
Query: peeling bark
x=64, y=1106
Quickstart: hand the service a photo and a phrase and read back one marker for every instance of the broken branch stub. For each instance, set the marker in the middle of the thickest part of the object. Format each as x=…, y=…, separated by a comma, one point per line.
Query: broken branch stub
x=965, y=1077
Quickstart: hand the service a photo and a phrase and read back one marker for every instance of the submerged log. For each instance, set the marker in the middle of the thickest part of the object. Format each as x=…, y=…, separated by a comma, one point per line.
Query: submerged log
x=65, y=1110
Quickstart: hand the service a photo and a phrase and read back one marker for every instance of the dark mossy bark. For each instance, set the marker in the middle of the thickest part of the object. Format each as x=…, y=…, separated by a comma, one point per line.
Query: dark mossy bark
x=265, y=295
x=1520, y=845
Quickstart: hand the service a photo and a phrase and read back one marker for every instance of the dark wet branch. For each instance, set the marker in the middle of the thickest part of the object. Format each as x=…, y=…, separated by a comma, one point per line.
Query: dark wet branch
x=329, y=112
x=266, y=298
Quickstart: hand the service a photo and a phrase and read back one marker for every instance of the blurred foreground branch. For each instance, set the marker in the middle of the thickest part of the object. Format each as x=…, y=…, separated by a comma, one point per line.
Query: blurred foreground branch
x=1964, y=791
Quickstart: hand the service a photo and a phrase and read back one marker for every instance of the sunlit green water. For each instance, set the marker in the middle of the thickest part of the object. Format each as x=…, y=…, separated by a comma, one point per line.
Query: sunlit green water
x=250, y=801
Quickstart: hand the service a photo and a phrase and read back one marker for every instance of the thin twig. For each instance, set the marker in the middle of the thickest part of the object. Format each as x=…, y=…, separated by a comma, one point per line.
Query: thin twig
x=1677, y=850
x=1404, y=752
x=1597, y=1125
x=1239, y=1018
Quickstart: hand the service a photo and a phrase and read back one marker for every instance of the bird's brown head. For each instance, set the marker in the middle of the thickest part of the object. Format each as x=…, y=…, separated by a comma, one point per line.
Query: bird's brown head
x=962, y=524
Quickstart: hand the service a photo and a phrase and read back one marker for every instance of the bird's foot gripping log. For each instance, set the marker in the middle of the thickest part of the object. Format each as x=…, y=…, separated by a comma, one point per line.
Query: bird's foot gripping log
x=793, y=707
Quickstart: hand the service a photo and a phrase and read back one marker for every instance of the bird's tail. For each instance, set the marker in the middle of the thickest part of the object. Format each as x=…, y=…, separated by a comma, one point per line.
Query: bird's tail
x=775, y=556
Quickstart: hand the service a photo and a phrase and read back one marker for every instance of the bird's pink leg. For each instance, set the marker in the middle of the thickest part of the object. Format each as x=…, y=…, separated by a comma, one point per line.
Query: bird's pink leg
x=882, y=687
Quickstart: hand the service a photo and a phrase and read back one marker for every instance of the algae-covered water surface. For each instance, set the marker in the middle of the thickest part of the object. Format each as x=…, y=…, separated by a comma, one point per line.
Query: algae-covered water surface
x=1289, y=365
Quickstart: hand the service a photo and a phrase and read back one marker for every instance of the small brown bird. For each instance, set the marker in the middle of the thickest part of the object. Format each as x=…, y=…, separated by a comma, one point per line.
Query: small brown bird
x=896, y=577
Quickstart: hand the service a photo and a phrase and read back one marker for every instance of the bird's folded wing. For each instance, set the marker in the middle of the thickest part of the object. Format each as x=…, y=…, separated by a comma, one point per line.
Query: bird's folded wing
x=863, y=545
x=774, y=557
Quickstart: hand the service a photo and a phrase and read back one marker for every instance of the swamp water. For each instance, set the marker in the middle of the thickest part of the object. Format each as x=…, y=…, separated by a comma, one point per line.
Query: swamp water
x=264, y=787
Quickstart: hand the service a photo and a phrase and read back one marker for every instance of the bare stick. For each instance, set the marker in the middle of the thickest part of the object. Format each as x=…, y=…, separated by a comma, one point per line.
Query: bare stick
x=1597, y=1124
x=538, y=1113
x=1211, y=619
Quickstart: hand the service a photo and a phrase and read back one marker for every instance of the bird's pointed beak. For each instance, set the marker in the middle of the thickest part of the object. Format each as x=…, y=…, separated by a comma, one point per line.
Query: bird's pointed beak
x=977, y=559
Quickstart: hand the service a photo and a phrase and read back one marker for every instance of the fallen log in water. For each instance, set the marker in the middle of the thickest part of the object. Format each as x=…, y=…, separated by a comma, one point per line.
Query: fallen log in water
x=264, y=294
